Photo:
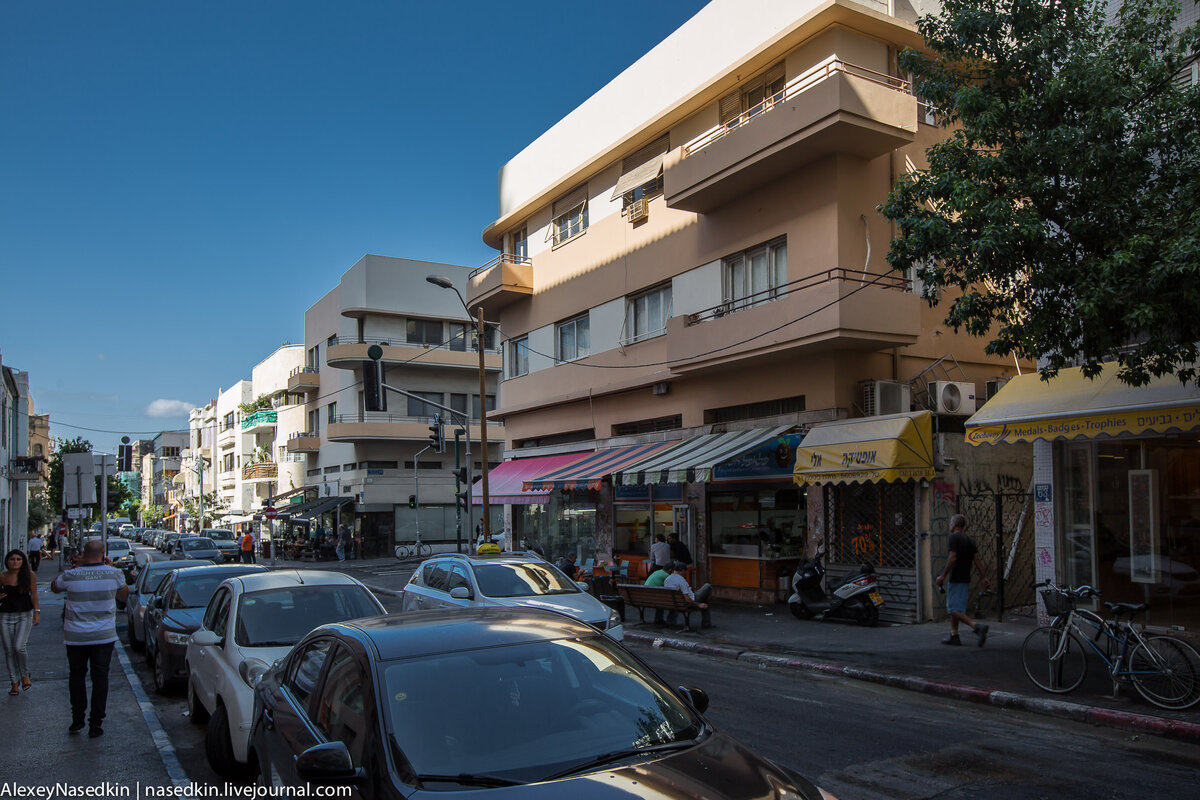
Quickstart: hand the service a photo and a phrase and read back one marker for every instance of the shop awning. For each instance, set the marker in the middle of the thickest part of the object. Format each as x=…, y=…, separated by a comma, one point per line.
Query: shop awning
x=319, y=507
x=1069, y=406
x=505, y=481
x=588, y=472
x=895, y=447
x=692, y=460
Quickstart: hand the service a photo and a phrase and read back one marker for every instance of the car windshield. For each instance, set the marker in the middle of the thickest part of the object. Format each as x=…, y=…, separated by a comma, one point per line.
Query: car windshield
x=197, y=544
x=220, y=536
x=118, y=544
x=526, y=712
x=193, y=591
x=521, y=580
x=282, y=617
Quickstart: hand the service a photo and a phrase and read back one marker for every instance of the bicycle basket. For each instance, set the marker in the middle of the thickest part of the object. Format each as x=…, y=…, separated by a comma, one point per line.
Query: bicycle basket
x=1056, y=602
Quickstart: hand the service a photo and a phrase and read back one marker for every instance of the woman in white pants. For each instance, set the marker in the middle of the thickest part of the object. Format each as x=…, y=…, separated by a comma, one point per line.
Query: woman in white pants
x=19, y=612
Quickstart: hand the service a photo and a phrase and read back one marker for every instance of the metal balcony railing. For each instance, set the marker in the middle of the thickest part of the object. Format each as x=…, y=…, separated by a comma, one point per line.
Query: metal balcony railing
x=801, y=83
x=303, y=370
x=885, y=281
x=456, y=343
x=503, y=258
x=384, y=417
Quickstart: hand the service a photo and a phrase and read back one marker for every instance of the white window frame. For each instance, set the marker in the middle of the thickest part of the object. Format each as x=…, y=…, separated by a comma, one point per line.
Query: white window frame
x=573, y=325
x=740, y=280
x=518, y=356
x=641, y=320
x=518, y=242
x=570, y=216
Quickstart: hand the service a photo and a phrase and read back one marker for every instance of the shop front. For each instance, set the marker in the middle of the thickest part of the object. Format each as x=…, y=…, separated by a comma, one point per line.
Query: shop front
x=1116, y=484
x=864, y=480
x=534, y=519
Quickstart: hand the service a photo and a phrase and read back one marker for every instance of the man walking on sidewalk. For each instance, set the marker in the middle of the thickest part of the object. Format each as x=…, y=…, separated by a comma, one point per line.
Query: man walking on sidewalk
x=963, y=553
x=90, y=630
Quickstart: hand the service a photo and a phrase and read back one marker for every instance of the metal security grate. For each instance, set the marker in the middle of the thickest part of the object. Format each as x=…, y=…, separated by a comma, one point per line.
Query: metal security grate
x=872, y=523
x=1002, y=523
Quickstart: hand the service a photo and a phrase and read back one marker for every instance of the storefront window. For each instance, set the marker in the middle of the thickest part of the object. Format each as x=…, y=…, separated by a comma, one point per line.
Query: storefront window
x=1078, y=541
x=871, y=523
x=757, y=523
x=634, y=529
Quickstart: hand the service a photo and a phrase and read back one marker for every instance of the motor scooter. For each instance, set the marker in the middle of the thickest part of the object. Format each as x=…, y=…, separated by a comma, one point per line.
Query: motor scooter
x=856, y=597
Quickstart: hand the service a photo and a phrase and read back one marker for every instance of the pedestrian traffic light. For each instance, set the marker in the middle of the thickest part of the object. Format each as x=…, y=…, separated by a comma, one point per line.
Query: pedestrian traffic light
x=125, y=458
x=436, y=442
x=374, y=396
x=462, y=488
x=412, y=501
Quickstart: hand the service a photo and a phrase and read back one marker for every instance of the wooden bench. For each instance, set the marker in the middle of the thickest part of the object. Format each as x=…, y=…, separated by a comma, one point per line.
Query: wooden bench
x=657, y=597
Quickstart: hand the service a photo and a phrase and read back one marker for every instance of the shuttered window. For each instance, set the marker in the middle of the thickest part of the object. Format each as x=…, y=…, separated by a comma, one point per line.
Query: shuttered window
x=752, y=97
x=570, y=215
x=641, y=173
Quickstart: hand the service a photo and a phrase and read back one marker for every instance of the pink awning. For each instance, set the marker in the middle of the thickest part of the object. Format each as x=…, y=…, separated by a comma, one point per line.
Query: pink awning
x=504, y=482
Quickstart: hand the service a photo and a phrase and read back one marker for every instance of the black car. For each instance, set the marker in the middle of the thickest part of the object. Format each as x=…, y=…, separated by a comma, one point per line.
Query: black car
x=174, y=614
x=458, y=700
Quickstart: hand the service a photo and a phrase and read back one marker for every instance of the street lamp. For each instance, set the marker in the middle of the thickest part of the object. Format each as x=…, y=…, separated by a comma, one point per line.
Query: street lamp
x=446, y=283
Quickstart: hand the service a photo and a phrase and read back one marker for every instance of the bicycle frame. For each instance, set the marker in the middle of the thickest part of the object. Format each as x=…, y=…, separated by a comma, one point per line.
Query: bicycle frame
x=1129, y=639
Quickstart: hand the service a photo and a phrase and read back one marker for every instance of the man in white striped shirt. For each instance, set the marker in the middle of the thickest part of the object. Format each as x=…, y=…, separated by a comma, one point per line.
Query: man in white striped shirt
x=90, y=630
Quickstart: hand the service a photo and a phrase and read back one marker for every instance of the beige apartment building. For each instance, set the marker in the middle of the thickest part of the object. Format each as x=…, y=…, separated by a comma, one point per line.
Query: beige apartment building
x=692, y=279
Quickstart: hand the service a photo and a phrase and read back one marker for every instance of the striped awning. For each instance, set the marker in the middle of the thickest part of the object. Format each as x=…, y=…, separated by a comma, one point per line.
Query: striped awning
x=692, y=460
x=590, y=471
x=505, y=480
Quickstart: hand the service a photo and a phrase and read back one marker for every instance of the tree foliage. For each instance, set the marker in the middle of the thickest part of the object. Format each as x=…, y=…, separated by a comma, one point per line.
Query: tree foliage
x=1063, y=208
x=152, y=514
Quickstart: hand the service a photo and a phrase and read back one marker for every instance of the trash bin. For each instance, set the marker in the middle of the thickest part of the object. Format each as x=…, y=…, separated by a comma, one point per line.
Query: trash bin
x=614, y=601
x=265, y=548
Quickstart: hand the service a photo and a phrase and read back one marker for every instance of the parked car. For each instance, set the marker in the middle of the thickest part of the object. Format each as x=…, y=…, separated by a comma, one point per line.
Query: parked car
x=125, y=531
x=121, y=553
x=197, y=547
x=251, y=622
x=174, y=613
x=165, y=540
x=460, y=700
x=226, y=542
x=506, y=579
x=1175, y=578
x=148, y=578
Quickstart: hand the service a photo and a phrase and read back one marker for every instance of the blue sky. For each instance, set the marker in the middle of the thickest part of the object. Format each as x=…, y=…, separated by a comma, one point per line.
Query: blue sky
x=180, y=180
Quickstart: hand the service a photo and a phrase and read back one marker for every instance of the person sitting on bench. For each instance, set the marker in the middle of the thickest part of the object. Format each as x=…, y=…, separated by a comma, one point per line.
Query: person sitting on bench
x=658, y=578
x=700, y=597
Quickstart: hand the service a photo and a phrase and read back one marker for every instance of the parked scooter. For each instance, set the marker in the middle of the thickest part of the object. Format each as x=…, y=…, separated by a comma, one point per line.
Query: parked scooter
x=856, y=597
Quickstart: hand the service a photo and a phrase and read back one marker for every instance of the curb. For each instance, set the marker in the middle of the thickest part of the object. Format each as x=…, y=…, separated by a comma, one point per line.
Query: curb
x=1141, y=723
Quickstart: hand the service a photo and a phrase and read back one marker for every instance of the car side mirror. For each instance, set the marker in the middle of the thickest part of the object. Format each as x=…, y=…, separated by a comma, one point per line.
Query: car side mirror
x=583, y=587
x=327, y=763
x=460, y=593
x=697, y=697
x=205, y=638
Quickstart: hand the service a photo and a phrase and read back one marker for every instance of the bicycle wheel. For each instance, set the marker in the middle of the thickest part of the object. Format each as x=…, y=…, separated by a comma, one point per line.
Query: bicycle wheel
x=1058, y=675
x=1164, y=671
x=401, y=552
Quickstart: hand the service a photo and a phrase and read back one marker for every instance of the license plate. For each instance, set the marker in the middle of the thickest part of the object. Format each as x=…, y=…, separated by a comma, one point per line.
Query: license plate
x=876, y=599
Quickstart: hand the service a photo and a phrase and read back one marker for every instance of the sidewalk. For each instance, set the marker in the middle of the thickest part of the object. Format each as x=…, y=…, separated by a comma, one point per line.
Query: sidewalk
x=912, y=657
x=38, y=750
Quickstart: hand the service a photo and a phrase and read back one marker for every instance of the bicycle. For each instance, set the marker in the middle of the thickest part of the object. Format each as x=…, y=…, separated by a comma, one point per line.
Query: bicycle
x=416, y=550
x=1164, y=670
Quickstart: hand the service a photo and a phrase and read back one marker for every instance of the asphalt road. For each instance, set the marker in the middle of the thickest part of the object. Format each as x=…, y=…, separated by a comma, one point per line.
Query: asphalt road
x=860, y=740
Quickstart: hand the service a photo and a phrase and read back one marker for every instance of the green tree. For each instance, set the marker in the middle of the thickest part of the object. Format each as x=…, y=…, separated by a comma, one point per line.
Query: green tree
x=1063, y=208
x=152, y=514
x=41, y=513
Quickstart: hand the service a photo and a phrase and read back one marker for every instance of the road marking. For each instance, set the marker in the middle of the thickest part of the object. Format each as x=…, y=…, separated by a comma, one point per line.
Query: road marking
x=804, y=700
x=166, y=750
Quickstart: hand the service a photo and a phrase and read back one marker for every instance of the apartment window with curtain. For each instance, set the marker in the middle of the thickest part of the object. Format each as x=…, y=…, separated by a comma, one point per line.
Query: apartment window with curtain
x=752, y=98
x=459, y=334
x=314, y=357
x=314, y=421
x=491, y=405
x=574, y=338
x=646, y=314
x=418, y=408
x=755, y=276
x=641, y=173
x=424, y=331
x=332, y=409
x=519, y=242
x=570, y=216
x=518, y=357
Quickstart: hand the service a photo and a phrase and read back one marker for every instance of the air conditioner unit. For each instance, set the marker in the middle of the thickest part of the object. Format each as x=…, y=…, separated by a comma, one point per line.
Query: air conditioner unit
x=638, y=210
x=991, y=387
x=955, y=398
x=885, y=397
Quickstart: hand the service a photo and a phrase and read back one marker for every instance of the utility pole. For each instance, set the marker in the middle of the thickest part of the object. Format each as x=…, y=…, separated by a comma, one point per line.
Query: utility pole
x=487, y=522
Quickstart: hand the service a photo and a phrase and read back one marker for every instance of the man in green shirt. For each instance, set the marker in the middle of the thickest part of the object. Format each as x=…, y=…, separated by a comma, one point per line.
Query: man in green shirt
x=658, y=578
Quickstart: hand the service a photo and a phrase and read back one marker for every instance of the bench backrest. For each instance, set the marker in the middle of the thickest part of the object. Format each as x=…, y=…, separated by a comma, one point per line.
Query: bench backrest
x=636, y=595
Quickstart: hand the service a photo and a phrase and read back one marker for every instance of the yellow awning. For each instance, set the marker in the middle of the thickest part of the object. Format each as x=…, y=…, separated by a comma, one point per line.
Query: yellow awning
x=1069, y=406
x=896, y=447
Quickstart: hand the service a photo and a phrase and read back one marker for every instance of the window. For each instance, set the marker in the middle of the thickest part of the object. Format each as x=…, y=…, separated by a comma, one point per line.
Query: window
x=458, y=336
x=306, y=669
x=170, y=452
x=433, y=465
x=417, y=408
x=671, y=423
x=754, y=97
x=764, y=408
x=570, y=216
x=341, y=713
x=313, y=361
x=331, y=341
x=314, y=421
x=217, y=614
x=519, y=242
x=574, y=339
x=227, y=463
x=228, y=422
x=518, y=356
x=424, y=331
x=458, y=402
x=332, y=470
x=491, y=405
x=641, y=173
x=332, y=415
x=755, y=276
x=646, y=314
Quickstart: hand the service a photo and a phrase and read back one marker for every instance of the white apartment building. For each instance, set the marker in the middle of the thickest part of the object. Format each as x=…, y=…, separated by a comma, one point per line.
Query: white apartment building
x=233, y=497
x=269, y=469
x=16, y=468
x=198, y=459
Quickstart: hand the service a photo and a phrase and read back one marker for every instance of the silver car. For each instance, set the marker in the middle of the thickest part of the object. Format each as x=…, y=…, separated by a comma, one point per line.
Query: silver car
x=505, y=579
x=197, y=547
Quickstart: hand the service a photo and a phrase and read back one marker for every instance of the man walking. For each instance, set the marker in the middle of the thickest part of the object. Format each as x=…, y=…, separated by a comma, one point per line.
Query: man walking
x=90, y=630
x=35, y=551
x=963, y=553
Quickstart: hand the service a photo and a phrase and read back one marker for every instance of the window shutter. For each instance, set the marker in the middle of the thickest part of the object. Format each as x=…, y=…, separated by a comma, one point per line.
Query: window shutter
x=573, y=200
x=774, y=74
x=656, y=148
x=730, y=107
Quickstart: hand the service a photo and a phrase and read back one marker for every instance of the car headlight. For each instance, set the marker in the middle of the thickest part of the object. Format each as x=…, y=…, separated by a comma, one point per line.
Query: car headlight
x=252, y=670
x=177, y=638
x=614, y=618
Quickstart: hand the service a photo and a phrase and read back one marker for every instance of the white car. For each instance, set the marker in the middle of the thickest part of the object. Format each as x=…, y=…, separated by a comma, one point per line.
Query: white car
x=252, y=621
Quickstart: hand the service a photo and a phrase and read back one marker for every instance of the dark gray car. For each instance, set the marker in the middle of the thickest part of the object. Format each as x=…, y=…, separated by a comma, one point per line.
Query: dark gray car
x=196, y=547
x=148, y=579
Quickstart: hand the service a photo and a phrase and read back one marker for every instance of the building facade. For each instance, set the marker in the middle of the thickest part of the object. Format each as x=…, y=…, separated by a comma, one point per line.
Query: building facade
x=19, y=469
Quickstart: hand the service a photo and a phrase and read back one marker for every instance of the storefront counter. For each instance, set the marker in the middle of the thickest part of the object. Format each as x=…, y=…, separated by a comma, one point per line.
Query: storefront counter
x=751, y=579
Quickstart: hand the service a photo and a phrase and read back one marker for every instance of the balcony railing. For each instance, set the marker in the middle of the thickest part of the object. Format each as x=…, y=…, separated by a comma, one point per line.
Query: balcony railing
x=795, y=86
x=303, y=370
x=384, y=417
x=884, y=281
x=261, y=470
x=261, y=417
x=503, y=258
x=457, y=343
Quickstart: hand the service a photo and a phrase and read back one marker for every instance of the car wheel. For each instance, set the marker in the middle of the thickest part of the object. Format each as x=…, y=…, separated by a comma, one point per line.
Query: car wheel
x=219, y=749
x=197, y=714
x=162, y=683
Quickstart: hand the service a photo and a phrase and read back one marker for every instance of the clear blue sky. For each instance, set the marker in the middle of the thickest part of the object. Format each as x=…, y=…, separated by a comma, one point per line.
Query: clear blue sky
x=179, y=181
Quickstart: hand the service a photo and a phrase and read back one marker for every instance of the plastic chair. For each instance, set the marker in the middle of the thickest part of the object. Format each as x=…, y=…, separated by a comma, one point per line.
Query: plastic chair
x=588, y=567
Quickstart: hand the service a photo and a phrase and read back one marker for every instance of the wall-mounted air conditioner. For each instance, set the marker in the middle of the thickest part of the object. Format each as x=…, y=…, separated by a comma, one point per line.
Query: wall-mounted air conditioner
x=638, y=210
x=955, y=398
x=885, y=397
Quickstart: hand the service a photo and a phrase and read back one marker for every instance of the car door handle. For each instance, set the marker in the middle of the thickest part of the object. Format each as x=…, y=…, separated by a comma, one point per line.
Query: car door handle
x=268, y=719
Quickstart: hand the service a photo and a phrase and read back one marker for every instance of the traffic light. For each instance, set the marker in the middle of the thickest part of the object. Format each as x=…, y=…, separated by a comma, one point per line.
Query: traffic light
x=436, y=442
x=374, y=397
x=412, y=501
x=125, y=458
x=462, y=488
